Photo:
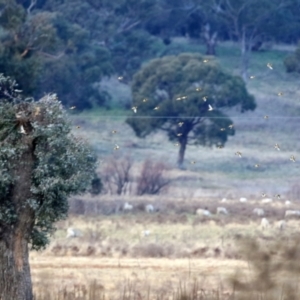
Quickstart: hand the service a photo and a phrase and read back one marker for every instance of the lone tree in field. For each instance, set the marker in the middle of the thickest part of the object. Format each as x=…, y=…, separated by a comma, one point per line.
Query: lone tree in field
x=184, y=95
x=41, y=164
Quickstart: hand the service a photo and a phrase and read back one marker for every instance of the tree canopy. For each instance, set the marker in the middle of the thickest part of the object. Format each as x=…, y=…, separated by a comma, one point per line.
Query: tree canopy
x=186, y=96
x=41, y=164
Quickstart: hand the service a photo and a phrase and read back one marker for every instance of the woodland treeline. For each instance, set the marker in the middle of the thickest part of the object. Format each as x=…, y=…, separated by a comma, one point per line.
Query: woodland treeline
x=69, y=46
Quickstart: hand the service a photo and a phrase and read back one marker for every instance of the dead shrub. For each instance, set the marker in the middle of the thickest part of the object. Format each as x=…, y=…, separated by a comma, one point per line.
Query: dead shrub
x=152, y=179
x=116, y=174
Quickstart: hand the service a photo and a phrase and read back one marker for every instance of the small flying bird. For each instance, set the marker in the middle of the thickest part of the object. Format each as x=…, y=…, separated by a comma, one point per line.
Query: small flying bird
x=117, y=147
x=266, y=117
x=114, y=131
x=280, y=94
x=198, y=89
x=179, y=98
x=252, y=77
x=277, y=147
x=145, y=100
x=292, y=158
x=205, y=60
x=120, y=77
x=134, y=108
x=210, y=107
x=77, y=127
x=204, y=98
x=270, y=66
x=180, y=124
x=156, y=108
x=22, y=130
x=256, y=165
x=193, y=162
x=231, y=126
x=238, y=153
x=179, y=134
x=72, y=107
x=223, y=129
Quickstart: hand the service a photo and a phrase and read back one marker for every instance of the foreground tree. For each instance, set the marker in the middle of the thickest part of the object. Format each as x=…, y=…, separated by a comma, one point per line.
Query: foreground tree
x=41, y=164
x=185, y=96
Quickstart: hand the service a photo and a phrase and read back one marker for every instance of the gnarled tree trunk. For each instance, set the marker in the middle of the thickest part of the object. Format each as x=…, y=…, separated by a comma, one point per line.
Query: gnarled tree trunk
x=15, y=278
x=15, y=281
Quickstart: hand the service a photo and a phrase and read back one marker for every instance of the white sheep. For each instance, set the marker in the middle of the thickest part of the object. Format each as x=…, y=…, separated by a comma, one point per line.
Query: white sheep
x=243, y=200
x=264, y=223
x=258, y=211
x=73, y=232
x=146, y=233
x=203, y=212
x=127, y=206
x=281, y=225
x=222, y=210
x=287, y=203
x=224, y=200
x=266, y=200
x=149, y=208
x=289, y=213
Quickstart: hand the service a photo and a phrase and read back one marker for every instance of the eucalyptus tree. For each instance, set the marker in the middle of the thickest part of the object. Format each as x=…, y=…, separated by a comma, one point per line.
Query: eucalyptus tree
x=41, y=165
x=185, y=96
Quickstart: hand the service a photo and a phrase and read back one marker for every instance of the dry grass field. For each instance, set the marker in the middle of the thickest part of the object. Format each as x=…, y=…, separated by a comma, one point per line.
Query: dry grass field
x=173, y=253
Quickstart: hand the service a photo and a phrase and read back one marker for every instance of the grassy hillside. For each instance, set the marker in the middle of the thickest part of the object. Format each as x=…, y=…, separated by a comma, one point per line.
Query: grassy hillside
x=218, y=172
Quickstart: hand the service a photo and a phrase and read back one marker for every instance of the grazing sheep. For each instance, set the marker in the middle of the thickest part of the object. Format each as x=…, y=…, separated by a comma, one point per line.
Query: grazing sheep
x=73, y=232
x=149, y=208
x=222, y=210
x=224, y=200
x=203, y=212
x=266, y=200
x=243, y=200
x=146, y=233
x=264, y=223
x=127, y=206
x=259, y=212
x=281, y=225
x=288, y=203
x=289, y=213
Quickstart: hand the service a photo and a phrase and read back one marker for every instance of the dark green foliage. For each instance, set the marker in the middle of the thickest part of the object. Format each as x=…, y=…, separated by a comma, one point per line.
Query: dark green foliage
x=62, y=164
x=178, y=87
x=292, y=62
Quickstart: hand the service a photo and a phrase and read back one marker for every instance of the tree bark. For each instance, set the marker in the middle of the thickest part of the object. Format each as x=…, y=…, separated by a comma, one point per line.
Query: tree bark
x=244, y=56
x=182, y=143
x=15, y=281
x=15, y=277
x=210, y=40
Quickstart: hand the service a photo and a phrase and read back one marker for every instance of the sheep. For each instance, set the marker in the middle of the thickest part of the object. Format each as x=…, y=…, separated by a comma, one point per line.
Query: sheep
x=203, y=212
x=259, y=211
x=266, y=200
x=281, y=225
x=264, y=223
x=149, y=208
x=146, y=233
x=73, y=232
x=289, y=213
x=243, y=200
x=224, y=200
x=127, y=206
x=288, y=203
x=222, y=210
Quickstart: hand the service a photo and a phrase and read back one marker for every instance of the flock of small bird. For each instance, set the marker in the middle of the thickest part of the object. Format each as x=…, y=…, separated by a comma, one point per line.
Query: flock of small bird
x=180, y=124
